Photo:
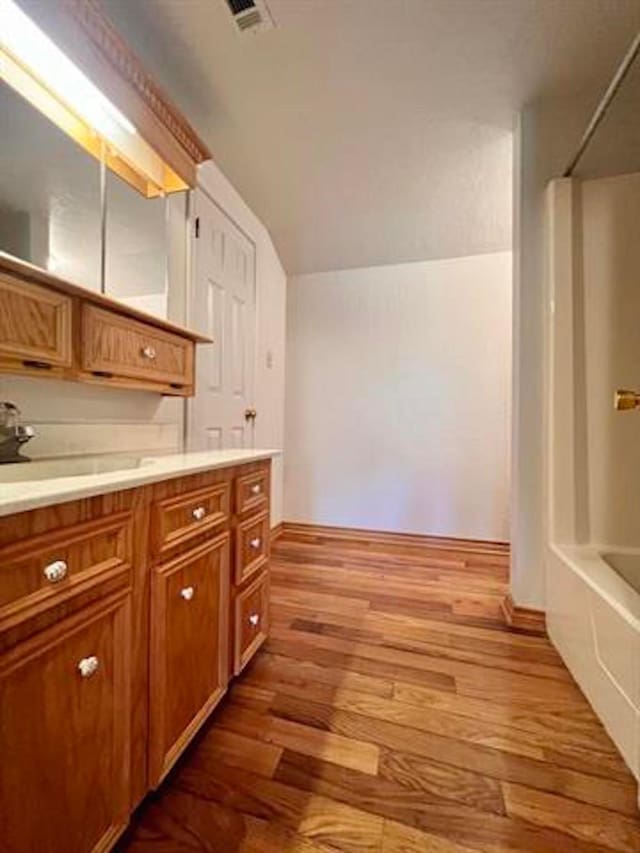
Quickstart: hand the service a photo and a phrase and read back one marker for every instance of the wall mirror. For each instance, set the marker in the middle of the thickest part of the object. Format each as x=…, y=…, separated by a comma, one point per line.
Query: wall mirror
x=67, y=212
x=50, y=202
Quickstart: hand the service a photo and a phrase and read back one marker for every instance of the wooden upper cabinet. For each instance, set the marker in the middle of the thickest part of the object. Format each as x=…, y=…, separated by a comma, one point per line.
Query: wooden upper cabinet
x=35, y=324
x=189, y=648
x=52, y=327
x=116, y=345
x=64, y=734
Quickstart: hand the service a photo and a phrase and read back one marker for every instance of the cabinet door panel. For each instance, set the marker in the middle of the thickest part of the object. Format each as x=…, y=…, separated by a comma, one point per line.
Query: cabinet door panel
x=189, y=625
x=64, y=734
x=35, y=323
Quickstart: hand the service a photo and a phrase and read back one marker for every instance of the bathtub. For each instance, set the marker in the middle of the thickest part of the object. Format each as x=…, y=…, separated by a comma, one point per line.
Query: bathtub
x=593, y=619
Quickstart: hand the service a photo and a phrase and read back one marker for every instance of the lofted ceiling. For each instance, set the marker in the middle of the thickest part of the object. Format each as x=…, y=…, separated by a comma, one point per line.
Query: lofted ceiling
x=367, y=132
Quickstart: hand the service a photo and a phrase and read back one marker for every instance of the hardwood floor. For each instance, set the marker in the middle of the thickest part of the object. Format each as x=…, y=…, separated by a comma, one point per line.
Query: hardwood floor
x=393, y=711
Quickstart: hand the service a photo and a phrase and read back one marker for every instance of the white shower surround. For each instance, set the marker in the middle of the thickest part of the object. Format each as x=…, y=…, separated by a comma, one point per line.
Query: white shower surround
x=592, y=452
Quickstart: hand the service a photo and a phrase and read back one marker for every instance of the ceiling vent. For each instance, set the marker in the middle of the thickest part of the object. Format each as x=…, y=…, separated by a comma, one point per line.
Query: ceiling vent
x=251, y=16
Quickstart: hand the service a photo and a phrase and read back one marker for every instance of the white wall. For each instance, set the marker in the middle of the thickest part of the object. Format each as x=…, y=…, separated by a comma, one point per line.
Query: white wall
x=271, y=288
x=398, y=397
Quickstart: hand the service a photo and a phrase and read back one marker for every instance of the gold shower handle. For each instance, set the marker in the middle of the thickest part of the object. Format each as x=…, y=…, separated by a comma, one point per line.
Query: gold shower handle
x=624, y=400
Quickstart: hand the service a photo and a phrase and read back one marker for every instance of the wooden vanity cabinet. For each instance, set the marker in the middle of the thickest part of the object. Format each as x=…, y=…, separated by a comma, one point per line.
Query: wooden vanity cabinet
x=109, y=668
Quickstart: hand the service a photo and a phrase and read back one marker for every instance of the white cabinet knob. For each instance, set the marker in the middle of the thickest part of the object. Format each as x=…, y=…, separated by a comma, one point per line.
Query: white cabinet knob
x=199, y=513
x=254, y=619
x=149, y=352
x=56, y=571
x=88, y=666
x=255, y=543
x=255, y=490
x=187, y=593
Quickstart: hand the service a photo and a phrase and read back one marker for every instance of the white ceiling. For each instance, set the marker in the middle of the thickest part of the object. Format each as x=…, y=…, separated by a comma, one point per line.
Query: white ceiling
x=368, y=132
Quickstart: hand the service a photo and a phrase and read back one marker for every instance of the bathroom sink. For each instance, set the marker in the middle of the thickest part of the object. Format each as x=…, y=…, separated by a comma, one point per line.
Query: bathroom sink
x=82, y=466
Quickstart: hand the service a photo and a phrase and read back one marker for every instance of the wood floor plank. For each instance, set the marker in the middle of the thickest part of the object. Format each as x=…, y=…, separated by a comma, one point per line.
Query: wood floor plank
x=416, y=807
x=576, y=819
x=480, y=676
x=393, y=711
x=236, y=750
x=361, y=665
x=335, y=748
x=306, y=813
x=486, y=760
x=478, y=656
x=330, y=746
x=400, y=838
x=553, y=730
x=304, y=672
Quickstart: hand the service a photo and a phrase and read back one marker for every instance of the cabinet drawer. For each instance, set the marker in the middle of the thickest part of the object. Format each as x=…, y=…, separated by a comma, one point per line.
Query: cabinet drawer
x=35, y=324
x=64, y=733
x=252, y=546
x=251, y=621
x=189, y=663
x=116, y=345
x=252, y=492
x=44, y=570
x=180, y=519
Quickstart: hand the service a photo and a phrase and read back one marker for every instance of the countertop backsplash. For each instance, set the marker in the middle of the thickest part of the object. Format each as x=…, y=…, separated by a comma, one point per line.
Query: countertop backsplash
x=72, y=420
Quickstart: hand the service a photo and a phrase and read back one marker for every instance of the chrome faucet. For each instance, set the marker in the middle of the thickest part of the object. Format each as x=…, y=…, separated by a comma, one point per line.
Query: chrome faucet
x=13, y=434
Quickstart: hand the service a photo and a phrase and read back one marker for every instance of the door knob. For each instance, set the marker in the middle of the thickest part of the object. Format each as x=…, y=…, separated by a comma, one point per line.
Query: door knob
x=250, y=414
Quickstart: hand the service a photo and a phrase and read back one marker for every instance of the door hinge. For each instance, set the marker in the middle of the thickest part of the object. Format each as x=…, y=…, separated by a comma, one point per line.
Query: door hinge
x=197, y=227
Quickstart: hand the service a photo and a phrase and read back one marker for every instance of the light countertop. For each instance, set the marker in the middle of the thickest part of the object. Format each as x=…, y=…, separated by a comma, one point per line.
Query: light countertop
x=25, y=494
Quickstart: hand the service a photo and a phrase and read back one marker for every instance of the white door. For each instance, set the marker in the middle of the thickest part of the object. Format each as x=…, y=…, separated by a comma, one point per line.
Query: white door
x=223, y=307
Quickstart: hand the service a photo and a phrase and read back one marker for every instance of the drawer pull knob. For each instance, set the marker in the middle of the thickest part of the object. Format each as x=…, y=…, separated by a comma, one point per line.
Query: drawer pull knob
x=187, y=593
x=199, y=513
x=56, y=571
x=254, y=620
x=88, y=666
x=255, y=490
x=255, y=543
x=149, y=352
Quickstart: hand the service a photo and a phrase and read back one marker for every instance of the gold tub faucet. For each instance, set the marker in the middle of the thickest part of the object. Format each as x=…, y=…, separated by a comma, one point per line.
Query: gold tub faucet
x=623, y=400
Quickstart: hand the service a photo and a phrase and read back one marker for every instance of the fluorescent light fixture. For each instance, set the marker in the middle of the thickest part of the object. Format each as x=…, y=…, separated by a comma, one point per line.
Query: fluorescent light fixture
x=35, y=67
